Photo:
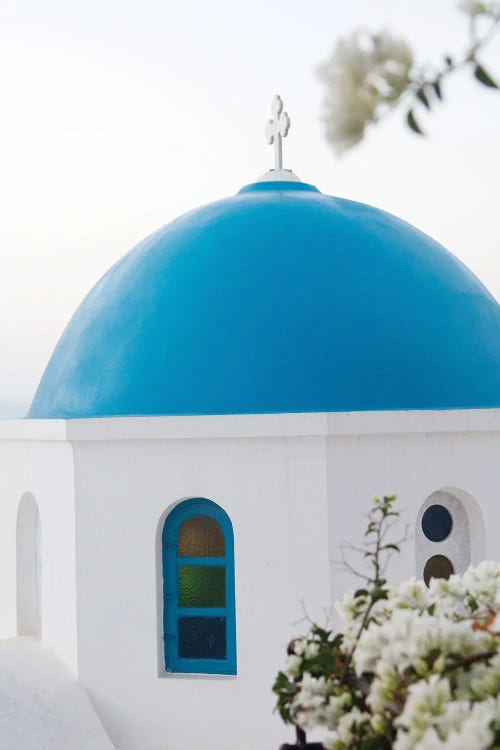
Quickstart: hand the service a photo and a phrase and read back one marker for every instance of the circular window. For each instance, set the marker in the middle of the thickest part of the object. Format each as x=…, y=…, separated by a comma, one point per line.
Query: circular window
x=437, y=566
x=437, y=523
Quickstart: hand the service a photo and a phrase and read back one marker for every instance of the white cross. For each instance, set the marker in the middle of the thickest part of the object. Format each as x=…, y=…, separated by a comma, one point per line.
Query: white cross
x=276, y=129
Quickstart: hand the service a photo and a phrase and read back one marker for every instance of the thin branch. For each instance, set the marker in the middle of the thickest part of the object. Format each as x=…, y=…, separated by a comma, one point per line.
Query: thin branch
x=364, y=623
x=468, y=58
x=482, y=656
x=345, y=565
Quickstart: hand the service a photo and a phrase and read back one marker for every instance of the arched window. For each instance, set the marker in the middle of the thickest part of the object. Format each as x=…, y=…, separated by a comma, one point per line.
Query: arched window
x=448, y=534
x=199, y=624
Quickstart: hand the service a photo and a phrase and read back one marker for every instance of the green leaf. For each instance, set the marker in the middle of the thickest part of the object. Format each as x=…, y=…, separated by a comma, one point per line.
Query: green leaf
x=322, y=634
x=436, y=85
x=373, y=742
x=361, y=592
x=422, y=96
x=484, y=77
x=392, y=546
x=410, y=119
x=281, y=682
x=379, y=594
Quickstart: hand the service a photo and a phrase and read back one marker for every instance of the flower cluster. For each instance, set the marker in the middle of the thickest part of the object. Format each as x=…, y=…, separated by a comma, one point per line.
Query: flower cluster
x=368, y=75
x=415, y=668
x=365, y=74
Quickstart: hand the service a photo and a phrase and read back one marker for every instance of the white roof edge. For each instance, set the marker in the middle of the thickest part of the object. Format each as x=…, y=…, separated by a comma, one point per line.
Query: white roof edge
x=252, y=425
x=33, y=429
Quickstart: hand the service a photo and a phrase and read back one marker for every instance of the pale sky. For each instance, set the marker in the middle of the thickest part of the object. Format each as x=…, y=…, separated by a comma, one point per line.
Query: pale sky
x=116, y=116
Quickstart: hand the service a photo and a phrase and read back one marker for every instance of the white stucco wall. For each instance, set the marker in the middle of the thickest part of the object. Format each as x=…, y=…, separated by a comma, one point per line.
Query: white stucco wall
x=294, y=486
x=413, y=454
x=275, y=494
x=36, y=459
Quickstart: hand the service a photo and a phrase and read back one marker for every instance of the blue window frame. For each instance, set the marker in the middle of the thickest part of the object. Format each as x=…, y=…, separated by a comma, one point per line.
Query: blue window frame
x=199, y=621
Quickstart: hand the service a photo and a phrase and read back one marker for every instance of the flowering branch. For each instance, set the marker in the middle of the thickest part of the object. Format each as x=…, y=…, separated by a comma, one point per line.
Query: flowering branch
x=379, y=522
x=423, y=88
x=369, y=75
x=415, y=668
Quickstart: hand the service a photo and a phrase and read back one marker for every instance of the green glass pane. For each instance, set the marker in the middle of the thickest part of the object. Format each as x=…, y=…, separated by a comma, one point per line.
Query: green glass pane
x=201, y=536
x=202, y=586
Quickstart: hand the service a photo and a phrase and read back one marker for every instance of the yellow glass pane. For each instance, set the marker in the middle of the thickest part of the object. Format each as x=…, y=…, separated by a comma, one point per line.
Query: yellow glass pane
x=201, y=536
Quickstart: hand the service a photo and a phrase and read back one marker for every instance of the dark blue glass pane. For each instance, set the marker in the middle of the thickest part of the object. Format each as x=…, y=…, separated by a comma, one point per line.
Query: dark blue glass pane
x=436, y=523
x=202, y=637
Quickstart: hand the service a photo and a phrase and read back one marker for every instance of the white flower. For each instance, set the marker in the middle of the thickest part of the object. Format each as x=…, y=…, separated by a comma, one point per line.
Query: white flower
x=482, y=681
x=349, y=723
x=363, y=73
x=336, y=706
x=425, y=701
x=431, y=720
x=293, y=664
x=382, y=690
x=475, y=594
x=410, y=594
x=300, y=646
x=465, y=725
x=348, y=607
x=311, y=650
x=309, y=704
x=394, y=643
x=409, y=636
x=483, y=582
x=318, y=703
x=352, y=609
x=495, y=625
x=347, y=727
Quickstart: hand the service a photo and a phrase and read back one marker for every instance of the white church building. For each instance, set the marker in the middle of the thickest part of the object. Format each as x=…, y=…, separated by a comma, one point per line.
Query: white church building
x=213, y=423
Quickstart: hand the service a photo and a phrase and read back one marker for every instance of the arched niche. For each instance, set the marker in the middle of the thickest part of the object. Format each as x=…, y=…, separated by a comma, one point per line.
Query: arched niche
x=449, y=528
x=29, y=567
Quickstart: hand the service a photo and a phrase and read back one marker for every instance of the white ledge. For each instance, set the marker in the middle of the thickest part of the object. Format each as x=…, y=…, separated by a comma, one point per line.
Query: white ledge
x=319, y=424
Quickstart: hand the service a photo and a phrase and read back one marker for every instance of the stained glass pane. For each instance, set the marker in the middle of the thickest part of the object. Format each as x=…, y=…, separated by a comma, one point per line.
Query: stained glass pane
x=202, y=637
x=436, y=523
x=202, y=586
x=437, y=566
x=201, y=536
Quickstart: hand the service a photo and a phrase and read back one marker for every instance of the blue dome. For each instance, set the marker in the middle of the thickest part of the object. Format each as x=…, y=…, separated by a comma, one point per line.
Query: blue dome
x=279, y=299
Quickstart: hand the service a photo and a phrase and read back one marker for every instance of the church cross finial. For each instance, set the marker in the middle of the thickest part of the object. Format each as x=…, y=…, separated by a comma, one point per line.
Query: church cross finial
x=277, y=129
